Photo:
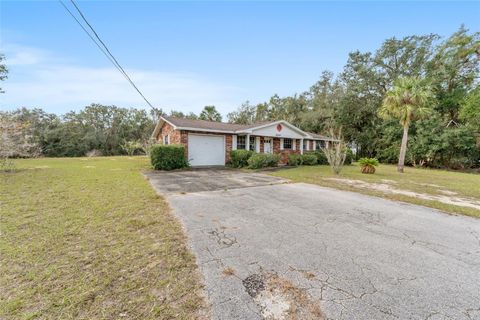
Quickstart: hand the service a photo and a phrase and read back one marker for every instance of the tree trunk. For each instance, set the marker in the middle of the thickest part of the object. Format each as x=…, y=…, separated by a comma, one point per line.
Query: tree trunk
x=403, y=150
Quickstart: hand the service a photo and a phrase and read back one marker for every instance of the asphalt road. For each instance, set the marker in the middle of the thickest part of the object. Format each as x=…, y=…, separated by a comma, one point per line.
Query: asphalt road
x=357, y=257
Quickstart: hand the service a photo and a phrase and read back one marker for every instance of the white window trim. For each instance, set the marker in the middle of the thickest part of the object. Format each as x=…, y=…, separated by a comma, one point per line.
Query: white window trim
x=245, y=142
x=282, y=142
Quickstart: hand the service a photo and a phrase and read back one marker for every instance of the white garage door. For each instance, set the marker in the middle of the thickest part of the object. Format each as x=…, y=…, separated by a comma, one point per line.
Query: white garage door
x=206, y=150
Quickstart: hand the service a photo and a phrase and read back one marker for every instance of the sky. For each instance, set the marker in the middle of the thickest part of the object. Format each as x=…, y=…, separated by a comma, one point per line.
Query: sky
x=185, y=55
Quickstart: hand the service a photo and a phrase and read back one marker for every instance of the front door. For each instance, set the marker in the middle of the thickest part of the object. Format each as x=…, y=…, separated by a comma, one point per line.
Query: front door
x=267, y=145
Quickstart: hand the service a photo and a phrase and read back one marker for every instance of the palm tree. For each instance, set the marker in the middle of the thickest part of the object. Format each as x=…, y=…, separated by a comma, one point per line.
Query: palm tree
x=408, y=100
x=210, y=113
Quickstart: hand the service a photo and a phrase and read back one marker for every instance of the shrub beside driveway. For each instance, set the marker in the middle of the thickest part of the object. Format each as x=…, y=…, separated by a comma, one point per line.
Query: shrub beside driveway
x=89, y=238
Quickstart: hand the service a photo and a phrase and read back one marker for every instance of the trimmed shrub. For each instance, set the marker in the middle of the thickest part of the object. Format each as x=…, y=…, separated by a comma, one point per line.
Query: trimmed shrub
x=295, y=159
x=239, y=158
x=348, y=157
x=263, y=160
x=309, y=159
x=321, y=158
x=168, y=157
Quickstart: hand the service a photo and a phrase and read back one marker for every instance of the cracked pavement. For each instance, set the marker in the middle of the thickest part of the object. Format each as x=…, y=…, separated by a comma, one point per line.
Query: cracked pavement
x=361, y=257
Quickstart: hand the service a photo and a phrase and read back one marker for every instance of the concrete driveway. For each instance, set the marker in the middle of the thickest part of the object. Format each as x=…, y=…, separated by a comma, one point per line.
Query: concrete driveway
x=270, y=251
x=208, y=179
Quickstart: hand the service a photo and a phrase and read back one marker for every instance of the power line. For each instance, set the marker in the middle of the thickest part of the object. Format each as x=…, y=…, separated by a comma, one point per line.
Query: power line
x=103, y=47
x=89, y=35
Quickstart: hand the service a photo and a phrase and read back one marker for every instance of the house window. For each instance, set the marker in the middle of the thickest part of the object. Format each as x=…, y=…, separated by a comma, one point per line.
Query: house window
x=241, y=142
x=287, y=144
x=320, y=144
x=252, y=143
x=165, y=139
x=305, y=145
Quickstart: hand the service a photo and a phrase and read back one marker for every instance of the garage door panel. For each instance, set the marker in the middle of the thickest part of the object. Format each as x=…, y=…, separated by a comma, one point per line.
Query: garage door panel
x=206, y=150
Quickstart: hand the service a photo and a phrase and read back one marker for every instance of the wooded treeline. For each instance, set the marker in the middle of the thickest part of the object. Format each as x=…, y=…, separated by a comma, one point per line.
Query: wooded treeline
x=449, y=137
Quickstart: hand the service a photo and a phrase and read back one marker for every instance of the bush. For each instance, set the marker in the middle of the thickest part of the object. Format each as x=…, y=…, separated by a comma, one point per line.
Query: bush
x=132, y=147
x=368, y=164
x=239, y=158
x=263, y=160
x=349, y=157
x=321, y=158
x=168, y=157
x=309, y=159
x=295, y=159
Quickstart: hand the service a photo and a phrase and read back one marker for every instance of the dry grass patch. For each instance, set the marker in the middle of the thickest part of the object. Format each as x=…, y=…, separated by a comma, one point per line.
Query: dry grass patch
x=228, y=272
x=450, y=191
x=89, y=239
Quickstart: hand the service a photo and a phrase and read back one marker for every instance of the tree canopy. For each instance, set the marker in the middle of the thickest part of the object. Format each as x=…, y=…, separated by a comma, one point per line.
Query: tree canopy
x=3, y=70
x=210, y=113
x=351, y=99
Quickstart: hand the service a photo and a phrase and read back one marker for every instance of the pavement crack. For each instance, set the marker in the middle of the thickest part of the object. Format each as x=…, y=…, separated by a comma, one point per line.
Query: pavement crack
x=223, y=239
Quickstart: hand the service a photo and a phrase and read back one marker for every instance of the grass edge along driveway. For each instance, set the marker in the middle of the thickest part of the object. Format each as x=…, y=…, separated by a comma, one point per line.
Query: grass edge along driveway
x=88, y=238
x=427, y=182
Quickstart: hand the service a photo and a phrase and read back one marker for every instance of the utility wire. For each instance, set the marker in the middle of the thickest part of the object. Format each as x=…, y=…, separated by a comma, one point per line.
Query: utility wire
x=103, y=47
x=90, y=36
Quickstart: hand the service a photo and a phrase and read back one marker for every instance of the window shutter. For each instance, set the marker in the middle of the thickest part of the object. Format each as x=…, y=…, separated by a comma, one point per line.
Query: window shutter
x=294, y=144
x=234, y=142
x=257, y=144
x=281, y=143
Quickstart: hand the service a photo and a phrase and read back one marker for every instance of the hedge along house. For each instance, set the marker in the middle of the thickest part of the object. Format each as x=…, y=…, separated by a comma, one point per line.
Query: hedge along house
x=209, y=143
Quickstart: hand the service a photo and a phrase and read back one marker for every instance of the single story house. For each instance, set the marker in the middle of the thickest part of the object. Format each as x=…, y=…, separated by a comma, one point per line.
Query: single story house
x=209, y=143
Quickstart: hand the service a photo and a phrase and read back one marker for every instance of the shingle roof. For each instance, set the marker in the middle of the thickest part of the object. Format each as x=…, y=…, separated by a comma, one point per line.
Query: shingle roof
x=222, y=126
x=318, y=136
x=209, y=125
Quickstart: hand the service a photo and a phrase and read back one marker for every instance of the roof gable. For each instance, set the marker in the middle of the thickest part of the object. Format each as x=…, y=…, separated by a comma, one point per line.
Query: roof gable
x=281, y=129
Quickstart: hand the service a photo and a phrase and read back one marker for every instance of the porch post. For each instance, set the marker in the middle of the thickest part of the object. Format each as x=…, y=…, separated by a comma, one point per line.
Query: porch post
x=301, y=146
x=247, y=142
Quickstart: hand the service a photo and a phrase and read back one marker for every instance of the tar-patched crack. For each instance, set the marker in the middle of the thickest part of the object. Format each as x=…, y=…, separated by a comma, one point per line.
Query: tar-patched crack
x=254, y=284
x=278, y=298
x=222, y=238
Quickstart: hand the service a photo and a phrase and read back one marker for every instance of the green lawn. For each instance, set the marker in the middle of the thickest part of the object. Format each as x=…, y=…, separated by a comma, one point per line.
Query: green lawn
x=425, y=181
x=88, y=238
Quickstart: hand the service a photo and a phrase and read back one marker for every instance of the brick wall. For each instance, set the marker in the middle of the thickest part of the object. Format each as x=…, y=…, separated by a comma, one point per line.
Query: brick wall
x=167, y=129
x=284, y=153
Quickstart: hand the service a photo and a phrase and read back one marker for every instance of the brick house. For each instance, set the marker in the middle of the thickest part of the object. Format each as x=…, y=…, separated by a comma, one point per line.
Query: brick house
x=209, y=143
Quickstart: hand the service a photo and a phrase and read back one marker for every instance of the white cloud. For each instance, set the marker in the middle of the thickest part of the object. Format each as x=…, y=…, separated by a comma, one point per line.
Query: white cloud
x=36, y=81
x=18, y=55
